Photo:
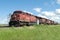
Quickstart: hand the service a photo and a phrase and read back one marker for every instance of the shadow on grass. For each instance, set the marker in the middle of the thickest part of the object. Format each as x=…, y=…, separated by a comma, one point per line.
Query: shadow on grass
x=4, y=26
x=7, y=26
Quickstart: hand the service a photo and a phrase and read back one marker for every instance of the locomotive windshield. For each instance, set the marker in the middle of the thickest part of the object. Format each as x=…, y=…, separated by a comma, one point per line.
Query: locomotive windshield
x=17, y=12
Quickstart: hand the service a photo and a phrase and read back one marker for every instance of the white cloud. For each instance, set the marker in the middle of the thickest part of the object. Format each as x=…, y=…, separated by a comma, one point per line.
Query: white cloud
x=58, y=11
x=58, y=1
x=48, y=13
x=37, y=10
x=42, y=16
x=27, y=11
x=56, y=18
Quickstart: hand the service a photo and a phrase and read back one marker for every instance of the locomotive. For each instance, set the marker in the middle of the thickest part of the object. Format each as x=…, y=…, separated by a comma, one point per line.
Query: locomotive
x=19, y=18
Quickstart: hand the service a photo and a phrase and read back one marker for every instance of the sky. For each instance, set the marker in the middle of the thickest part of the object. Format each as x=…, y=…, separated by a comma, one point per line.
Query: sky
x=49, y=9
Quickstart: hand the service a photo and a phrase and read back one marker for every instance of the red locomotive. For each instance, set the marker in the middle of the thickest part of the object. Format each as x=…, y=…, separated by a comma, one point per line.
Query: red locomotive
x=21, y=18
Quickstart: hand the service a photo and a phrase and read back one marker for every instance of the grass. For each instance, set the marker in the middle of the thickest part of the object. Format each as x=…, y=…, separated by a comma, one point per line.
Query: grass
x=36, y=32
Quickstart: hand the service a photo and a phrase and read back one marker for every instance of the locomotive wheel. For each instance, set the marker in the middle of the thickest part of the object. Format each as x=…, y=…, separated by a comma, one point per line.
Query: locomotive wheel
x=17, y=24
x=14, y=23
x=27, y=24
x=10, y=23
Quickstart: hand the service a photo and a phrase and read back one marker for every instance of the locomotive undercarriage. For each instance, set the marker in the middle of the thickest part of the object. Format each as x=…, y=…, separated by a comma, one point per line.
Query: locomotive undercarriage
x=20, y=23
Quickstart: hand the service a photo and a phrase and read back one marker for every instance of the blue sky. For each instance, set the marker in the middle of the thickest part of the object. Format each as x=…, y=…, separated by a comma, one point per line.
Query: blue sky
x=44, y=8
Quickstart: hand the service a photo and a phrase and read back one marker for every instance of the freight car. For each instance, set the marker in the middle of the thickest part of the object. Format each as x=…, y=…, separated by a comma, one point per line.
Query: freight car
x=45, y=21
x=19, y=18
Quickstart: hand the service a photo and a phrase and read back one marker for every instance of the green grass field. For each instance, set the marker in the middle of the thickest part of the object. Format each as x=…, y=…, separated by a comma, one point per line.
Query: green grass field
x=36, y=32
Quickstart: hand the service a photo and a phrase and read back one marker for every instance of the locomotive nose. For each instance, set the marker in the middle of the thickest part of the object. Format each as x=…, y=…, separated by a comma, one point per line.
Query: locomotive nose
x=13, y=17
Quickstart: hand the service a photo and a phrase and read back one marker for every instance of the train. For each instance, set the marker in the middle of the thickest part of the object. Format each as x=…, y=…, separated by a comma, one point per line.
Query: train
x=20, y=18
